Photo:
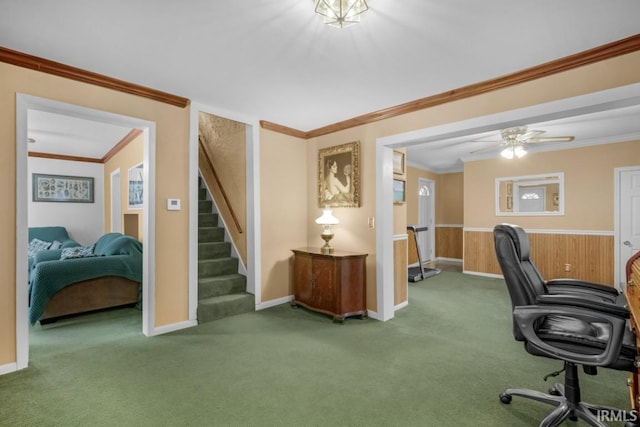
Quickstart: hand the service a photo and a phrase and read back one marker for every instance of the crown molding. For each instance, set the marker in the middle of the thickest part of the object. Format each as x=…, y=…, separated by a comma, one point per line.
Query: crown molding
x=57, y=69
x=591, y=56
x=133, y=134
x=64, y=157
x=283, y=129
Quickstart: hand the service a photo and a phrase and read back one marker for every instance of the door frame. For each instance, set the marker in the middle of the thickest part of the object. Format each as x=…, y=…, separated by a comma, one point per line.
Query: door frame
x=24, y=103
x=115, y=201
x=618, y=277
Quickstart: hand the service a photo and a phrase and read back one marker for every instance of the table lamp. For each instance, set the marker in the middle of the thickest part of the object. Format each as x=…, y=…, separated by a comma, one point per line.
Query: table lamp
x=326, y=221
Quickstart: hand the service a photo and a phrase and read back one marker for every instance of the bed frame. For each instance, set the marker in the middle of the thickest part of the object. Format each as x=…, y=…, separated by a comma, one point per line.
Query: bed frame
x=91, y=295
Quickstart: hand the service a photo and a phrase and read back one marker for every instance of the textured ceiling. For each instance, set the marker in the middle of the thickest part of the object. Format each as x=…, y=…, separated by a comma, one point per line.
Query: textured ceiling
x=274, y=60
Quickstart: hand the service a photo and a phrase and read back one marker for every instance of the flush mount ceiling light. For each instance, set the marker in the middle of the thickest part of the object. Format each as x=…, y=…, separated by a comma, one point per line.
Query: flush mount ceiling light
x=341, y=13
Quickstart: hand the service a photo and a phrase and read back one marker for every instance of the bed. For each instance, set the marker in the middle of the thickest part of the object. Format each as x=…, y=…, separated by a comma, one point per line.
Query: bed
x=104, y=275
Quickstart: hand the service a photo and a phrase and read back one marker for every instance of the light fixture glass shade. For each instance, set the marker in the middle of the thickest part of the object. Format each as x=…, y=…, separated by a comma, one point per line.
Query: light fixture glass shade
x=513, y=151
x=327, y=220
x=341, y=13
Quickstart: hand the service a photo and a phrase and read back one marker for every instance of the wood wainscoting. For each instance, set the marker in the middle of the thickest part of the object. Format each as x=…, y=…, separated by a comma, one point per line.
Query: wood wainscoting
x=400, y=271
x=587, y=256
x=449, y=241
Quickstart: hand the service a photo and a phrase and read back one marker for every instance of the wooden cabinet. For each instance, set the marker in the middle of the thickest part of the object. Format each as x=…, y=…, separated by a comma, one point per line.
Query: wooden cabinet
x=333, y=284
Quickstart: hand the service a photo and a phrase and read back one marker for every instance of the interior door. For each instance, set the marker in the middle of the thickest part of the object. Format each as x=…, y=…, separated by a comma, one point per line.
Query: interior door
x=629, y=217
x=426, y=209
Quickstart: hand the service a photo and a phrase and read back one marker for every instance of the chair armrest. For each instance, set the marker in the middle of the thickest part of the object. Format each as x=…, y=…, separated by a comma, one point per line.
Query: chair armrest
x=527, y=316
x=581, y=284
x=584, y=301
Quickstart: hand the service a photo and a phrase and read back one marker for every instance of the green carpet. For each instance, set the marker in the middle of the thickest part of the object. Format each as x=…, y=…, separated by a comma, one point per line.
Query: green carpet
x=442, y=361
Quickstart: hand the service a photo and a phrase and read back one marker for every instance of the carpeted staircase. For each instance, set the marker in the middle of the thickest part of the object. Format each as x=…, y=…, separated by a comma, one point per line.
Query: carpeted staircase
x=221, y=289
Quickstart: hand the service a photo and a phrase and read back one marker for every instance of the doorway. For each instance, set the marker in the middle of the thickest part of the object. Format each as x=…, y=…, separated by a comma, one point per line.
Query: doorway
x=627, y=219
x=25, y=103
x=426, y=213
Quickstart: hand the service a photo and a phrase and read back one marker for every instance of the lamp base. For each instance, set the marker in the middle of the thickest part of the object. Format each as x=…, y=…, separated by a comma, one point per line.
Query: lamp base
x=327, y=235
x=326, y=249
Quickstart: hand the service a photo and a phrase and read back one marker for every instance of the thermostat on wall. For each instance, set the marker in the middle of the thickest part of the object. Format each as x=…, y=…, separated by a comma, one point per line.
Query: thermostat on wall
x=173, y=204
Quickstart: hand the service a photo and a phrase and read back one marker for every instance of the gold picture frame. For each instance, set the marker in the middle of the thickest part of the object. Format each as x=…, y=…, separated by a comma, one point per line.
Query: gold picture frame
x=339, y=176
x=399, y=191
x=398, y=162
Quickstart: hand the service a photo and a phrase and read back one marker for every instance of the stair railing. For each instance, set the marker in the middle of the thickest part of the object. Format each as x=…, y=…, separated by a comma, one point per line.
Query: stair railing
x=205, y=151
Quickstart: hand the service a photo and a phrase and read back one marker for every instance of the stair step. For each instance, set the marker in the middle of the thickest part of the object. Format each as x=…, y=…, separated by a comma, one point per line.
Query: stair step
x=224, y=306
x=205, y=206
x=210, y=250
x=221, y=285
x=210, y=234
x=202, y=194
x=207, y=220
x=217, y=267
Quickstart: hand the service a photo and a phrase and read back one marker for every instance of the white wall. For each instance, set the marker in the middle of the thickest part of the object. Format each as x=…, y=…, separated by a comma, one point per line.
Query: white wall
x=84, y=221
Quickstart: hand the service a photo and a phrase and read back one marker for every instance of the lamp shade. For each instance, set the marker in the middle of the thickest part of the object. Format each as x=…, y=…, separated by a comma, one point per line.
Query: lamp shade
x=327, y=218
x=341, y=13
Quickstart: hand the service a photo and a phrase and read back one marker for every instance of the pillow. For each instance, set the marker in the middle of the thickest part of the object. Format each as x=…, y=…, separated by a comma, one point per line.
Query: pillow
x=37, y=245
x=55, y=245
x=77, y=252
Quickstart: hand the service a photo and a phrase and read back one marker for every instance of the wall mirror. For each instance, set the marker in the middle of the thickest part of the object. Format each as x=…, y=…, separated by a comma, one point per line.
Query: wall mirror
x=531, y=195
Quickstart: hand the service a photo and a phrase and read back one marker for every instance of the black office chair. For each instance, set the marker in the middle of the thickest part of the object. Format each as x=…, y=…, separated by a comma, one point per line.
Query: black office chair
x=580, y=328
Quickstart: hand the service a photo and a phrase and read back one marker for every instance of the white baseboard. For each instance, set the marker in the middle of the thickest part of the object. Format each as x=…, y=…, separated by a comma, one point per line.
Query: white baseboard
x=8, y=368
x=401, y=306
x=458, y=260
x=174, y=327
x=274, y=302
x=477, y=273
x=373, y=314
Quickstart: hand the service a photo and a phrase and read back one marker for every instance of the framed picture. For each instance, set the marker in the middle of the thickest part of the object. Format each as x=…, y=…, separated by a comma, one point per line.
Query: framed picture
x=509, y=203
x=399, y=191
x=339, y=176
x=398, y=162
x=556, y=199
x=509, y=189
x=62, y=188
x=136, y=181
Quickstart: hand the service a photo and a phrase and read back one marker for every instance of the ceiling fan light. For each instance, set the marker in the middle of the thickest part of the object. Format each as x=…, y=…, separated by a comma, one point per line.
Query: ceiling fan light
x=520, y=151
x=507, y=153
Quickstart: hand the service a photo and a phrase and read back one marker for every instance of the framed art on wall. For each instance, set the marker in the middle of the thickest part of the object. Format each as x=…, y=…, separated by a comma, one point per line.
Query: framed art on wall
x=399, y=195
x=398, y=162
x=339, y=175
x=135, y=179
x=62, y=188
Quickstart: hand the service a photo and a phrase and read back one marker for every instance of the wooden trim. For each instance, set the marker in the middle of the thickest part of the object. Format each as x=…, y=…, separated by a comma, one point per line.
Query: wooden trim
x=64, y=157
x=57, y=69
x=283, y=129
x=591, y=56
x=133, y=134
x=203, y=149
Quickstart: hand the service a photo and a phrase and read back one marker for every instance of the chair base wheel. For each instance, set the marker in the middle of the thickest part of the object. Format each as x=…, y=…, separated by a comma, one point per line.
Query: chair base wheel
x=505, y=398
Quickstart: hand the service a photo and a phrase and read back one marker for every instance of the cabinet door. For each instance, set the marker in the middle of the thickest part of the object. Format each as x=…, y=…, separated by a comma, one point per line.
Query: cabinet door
x=324, y=284
x=302, y=278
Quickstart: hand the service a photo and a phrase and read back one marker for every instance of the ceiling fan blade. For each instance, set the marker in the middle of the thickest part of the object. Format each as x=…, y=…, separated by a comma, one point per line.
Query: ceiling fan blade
x=530, y=134
x=492, y=147
x=551, y=139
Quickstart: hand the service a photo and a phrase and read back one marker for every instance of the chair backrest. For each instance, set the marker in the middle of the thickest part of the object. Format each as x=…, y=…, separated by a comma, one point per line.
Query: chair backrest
x=523, y=280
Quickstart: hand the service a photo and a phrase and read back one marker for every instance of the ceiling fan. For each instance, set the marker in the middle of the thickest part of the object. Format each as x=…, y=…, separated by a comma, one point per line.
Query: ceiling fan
x=515, y=140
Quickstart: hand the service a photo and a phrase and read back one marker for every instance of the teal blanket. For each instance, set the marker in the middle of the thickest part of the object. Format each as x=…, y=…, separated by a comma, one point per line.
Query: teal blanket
x=122, y=257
